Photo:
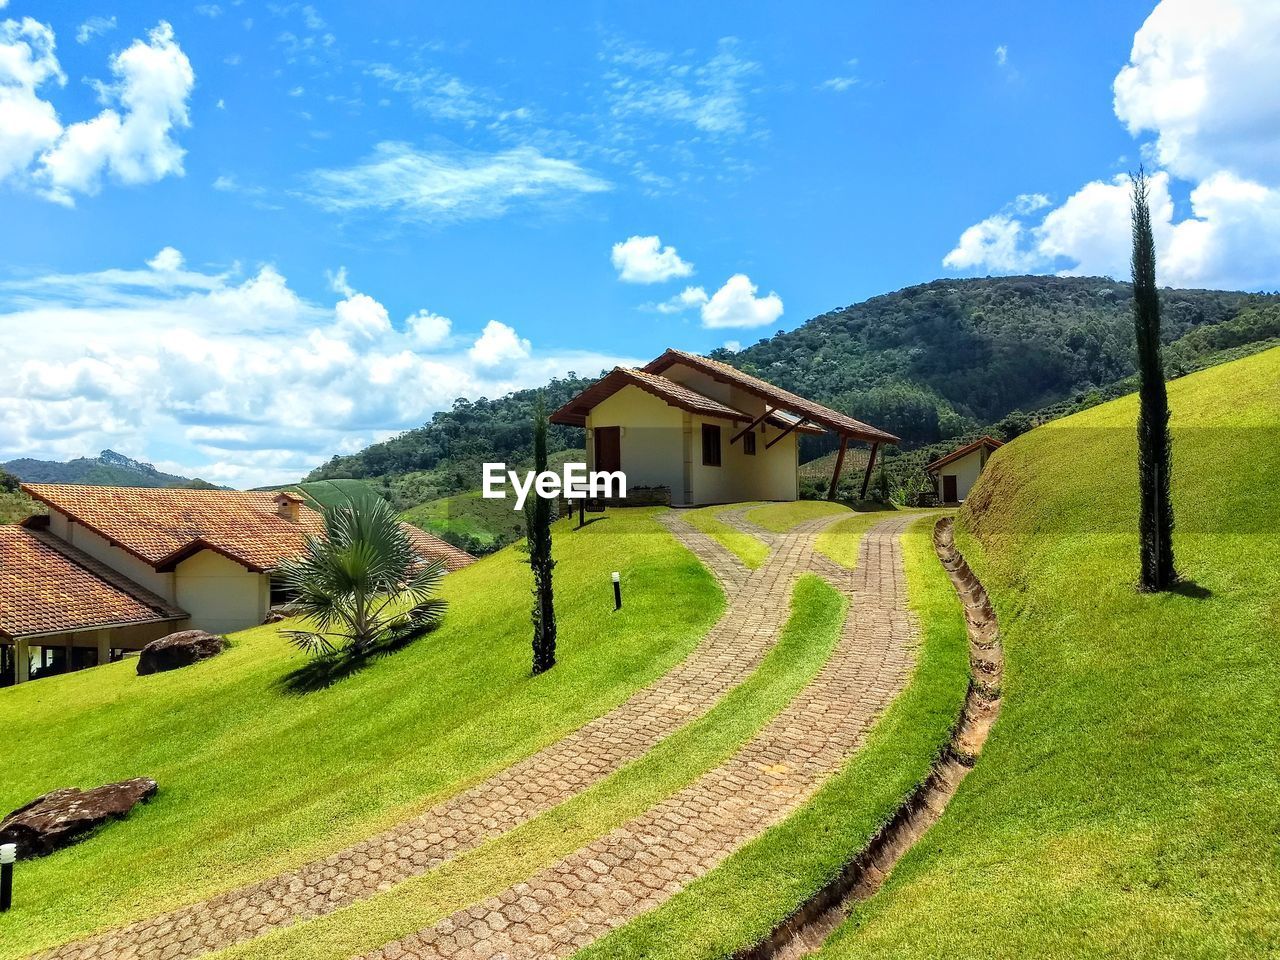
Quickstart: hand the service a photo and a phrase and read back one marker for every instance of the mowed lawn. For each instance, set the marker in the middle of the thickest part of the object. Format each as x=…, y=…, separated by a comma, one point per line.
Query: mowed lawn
x=255, y=778
x=1126, y=804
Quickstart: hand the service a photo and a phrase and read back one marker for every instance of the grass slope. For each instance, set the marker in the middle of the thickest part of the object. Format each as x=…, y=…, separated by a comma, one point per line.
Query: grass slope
x=254, y=778
x=817, y=612
x=751, y=551
x=739, y=902
x=469, y=519
x=1126, y=802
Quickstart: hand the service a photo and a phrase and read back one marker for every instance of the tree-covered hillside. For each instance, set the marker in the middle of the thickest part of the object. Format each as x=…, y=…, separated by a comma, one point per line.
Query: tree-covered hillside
x=443, y=457
x=108, y=469
x=930, y=363
x=944, y=358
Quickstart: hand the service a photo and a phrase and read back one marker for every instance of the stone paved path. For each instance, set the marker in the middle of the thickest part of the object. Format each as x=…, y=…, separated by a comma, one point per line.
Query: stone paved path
x=642, y=863
x=759, y=602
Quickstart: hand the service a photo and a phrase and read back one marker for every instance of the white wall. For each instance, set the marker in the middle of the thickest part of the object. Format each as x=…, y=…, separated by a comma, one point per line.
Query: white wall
x=768, y=475
x=660, y=443
x=965, y=470
x=652, y=442
x=97, y=547
x=221, y=595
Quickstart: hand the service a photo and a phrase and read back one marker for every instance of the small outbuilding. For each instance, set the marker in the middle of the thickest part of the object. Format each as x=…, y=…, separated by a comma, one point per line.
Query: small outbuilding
x=955, y=474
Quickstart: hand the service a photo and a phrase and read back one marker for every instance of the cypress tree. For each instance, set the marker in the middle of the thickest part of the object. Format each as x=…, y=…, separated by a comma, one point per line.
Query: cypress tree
x=1155, y=515
x=538, y=527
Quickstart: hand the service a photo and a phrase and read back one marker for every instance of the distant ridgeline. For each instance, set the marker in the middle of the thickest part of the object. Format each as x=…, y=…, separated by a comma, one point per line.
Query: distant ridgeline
x=108, y=469
x=931, y=363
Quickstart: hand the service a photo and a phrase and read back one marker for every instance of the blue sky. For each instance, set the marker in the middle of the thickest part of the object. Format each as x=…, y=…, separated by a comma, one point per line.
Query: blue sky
x=367, y=210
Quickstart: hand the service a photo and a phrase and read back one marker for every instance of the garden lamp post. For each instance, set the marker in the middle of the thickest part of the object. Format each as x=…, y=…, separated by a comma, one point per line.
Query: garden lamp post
x=8, y=854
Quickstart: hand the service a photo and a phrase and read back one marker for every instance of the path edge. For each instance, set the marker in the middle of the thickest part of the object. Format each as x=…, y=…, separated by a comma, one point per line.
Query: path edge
x=805, y=930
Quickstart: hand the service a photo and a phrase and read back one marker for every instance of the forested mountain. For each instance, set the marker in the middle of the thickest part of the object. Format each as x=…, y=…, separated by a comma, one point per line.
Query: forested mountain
x=944, y=358
x=931, y=362
x=108, y=469
x=444, y=456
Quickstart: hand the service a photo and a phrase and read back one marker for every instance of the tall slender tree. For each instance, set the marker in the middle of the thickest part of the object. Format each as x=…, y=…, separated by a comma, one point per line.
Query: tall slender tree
x=1155, y=459
x=538, y=526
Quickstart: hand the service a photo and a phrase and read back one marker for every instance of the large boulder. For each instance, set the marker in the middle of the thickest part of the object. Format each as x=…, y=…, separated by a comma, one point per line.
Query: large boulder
x=179, y=650
x=60, y=818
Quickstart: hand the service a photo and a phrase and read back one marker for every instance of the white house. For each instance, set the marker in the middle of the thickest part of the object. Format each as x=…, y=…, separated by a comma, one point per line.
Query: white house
x=705, y=432
x=110, y=569
x=955, y=474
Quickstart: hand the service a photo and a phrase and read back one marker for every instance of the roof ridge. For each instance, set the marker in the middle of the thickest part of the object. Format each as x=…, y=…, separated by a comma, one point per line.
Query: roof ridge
x=107, y=574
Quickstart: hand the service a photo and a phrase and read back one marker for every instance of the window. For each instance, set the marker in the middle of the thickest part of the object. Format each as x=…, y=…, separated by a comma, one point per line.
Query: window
x=710, y=445
x=749, y=443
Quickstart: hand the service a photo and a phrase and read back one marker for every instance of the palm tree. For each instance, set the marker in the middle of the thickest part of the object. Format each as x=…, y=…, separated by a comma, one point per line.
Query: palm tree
x=362, y=584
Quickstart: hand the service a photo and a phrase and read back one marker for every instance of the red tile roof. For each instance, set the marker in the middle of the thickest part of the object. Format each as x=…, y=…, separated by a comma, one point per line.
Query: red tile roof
x=430, y=546
x=47, y=586
x=776, y=396
x=991, y=443
x=164, y=526
x=574, y=413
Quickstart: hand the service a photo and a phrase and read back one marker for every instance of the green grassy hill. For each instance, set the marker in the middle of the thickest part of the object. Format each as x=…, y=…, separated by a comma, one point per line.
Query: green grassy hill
x=1125, y=804
x=255, y=777
x=470, y=521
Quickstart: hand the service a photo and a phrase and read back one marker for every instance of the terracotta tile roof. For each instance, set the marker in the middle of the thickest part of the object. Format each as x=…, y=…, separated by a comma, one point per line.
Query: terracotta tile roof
x=47, y=586
x=431, y=546
x=776, y=396
x=574, y=413
x=164, y=526
x=991, y=443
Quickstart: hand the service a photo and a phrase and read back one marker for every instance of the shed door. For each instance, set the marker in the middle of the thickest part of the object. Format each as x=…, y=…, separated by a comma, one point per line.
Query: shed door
x=608, y=442
x=949, y=488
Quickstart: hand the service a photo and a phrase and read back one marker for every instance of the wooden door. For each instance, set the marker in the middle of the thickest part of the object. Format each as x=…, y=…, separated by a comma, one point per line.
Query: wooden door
x=949, y=488
x=608, y=442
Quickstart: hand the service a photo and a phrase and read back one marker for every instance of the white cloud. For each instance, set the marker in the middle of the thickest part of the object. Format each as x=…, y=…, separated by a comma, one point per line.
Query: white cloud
x=646, y=260
x=94, y=26
x=1193, y=81
x=995, y=243
x=27, y=62
x=842, y=82
x=498, y=345
x=167, y=260
x=362, y=316
x=711, y=97
x=686, y=299
x=1025, y=203
x=733, y=346
x=439, y=94
x=153, y=81
x=1197, y=78
x=415, y=185
x=736, y=305
x=429, y=329
x=235, y=377
x=1002, y=55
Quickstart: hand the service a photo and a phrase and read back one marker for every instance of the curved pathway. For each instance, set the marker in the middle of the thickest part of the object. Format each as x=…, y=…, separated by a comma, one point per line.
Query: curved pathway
x=759, y=603
x=644, y=862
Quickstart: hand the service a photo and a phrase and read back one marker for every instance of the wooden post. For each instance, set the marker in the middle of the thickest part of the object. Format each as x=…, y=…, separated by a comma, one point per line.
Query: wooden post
x=751, y=426
x=866, y=477
x=21, y=662
x=798, y=423
x=104, y=647
x=835, y=474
